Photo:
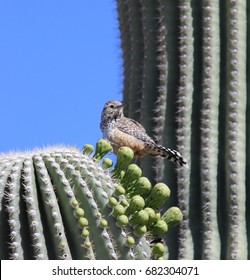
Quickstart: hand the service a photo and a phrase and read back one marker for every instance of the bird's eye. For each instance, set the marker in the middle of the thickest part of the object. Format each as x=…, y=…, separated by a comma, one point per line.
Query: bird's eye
x=112, y=106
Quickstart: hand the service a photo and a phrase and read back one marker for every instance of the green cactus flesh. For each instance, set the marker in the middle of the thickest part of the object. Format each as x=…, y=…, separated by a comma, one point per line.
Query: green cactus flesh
x=59, y=203
x=186, y=79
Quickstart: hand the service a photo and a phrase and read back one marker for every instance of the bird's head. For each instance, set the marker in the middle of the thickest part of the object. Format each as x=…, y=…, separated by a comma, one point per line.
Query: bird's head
x=112, y=110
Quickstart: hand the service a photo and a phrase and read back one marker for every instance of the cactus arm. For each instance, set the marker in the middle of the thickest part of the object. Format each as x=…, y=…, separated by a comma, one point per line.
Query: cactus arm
x=206, y=43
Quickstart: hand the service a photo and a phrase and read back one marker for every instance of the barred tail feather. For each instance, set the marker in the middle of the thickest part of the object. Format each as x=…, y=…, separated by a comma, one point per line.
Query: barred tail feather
x=171, y=155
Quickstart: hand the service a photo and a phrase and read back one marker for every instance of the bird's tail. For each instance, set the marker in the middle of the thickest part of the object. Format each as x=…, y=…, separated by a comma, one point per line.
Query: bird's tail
x=170, y=154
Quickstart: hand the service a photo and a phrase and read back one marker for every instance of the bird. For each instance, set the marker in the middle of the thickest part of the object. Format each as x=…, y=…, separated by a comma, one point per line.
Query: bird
x=121, y=131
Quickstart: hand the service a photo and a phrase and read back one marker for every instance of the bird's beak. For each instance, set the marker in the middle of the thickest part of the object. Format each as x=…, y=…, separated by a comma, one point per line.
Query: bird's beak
x=120, y=107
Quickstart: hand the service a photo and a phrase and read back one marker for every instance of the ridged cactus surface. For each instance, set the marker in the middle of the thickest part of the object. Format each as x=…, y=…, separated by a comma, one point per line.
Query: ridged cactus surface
x=186, y=79
x=59, y=203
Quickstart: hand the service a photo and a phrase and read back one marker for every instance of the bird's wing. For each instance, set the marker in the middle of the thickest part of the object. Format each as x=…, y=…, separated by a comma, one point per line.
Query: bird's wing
x=134, y=129
x=139, y=126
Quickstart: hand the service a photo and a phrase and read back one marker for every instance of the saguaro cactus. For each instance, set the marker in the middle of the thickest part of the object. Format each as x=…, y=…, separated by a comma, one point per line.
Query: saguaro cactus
x=186, y=79
x=58, y=203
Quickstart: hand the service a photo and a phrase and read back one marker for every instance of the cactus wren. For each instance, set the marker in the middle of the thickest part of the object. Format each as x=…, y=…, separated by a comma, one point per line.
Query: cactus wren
x=121, y=131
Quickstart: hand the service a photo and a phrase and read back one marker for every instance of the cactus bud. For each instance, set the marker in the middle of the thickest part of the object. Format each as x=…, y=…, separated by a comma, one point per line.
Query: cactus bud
x=87, y=149
x=160, y=227
x=122, y=220
x=140, y=230
x=102, y=148
x=119, y=190
x=158, y=250
x=112, y=201
x=158, y=195
x=85, y=233
x=139, y=218
x=172, y=216
x=130, y=242
x=132, y=174
x=136, y=204
x=107, y=163
x=142, y=186
x=124, y=202
x=79, y=212
x=118, y=210
x=74, y=204
x=83, y=222
x=124, y=157
x=103, y=223
x=151, y=215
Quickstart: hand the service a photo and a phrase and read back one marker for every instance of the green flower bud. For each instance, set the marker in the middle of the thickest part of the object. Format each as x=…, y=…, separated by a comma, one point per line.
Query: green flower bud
x=130, y=241
x=74, y=203
x=132, y=174
x=83, y=222
x=151, y=215
x=103, y=223
x=122, y=220
x=112, y=201
x=158, y=195
x=118, y=210
x=122, y=175
x=124, y=202
x=87, y=149
x=139, y=218
x=136, y=204
x=87, y=244
x=98, y=214
x=140, y=230
x=142, y=186
x=102, y=148
x=124, y=157
x=157, y=216
x=119, y=190
x=172, y=217
x=85, y=233
x=160, y=227
x=158, y=250
x=62, y=245
x=79, y=212
x=107, y=163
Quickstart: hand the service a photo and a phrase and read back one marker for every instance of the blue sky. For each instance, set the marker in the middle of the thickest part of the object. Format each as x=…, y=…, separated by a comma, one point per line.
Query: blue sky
x=60, y=61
